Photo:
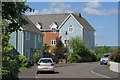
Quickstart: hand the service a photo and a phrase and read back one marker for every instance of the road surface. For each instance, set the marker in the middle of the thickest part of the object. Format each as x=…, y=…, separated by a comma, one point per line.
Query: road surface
x=78, y=70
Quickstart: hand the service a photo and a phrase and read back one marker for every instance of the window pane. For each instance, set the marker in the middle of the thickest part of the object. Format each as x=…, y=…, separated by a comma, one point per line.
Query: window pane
x=53, y=30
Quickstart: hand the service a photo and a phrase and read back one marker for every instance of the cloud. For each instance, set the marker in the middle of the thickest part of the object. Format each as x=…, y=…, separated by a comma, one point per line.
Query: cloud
x=93, y=5
x=55, y=7
x=91, y=9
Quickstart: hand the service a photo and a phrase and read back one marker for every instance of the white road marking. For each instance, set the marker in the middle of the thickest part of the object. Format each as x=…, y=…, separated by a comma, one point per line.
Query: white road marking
x=100, y=74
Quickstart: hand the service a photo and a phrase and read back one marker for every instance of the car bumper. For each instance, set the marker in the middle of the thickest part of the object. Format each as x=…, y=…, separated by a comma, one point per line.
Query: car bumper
x=104, y=62
x=47, y=69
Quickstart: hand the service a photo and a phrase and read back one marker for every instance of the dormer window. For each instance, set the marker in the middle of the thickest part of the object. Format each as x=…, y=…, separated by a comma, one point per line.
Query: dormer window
x=38, y=26
x=53, y=27
x=53, y=30
x=70, y=29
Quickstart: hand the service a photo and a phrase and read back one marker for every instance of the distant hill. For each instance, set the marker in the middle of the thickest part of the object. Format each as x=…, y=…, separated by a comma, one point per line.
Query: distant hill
x=109, y=46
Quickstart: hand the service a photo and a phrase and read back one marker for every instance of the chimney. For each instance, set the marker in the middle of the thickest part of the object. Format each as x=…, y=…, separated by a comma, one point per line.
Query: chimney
x=77, y=14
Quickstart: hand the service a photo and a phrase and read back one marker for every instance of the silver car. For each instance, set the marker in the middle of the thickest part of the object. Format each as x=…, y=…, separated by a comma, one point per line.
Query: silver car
x=104, y=59
x=46, y=64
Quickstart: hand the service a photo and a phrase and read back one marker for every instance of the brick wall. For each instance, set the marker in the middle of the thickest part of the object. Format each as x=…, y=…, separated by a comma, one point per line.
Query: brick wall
x=48, y=36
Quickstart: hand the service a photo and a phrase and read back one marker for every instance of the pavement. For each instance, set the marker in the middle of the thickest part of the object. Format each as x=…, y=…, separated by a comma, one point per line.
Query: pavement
x=105, y=72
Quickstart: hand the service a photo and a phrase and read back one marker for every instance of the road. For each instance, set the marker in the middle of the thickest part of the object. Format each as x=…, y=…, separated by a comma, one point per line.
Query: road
x=77, y=70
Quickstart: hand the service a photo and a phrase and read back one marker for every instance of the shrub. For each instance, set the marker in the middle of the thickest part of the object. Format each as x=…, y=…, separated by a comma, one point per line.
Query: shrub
x=46, y=48
x=36, y=56
x=10, y=64
x=81, y=52
x=115, y=56
x=104, y=50
x=59, y=49
x=22, y=60
x=108, y=65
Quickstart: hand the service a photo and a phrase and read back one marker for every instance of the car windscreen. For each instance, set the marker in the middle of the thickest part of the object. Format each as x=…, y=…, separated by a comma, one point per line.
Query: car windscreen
x=45, y=61
x=106, y=55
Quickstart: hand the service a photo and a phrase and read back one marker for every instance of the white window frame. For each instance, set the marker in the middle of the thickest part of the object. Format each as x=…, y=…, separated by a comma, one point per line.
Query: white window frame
x=27, y=35
x=39, y=38
x=54, y=42
x=38, y=26
x=70, y=26
x=53, y=30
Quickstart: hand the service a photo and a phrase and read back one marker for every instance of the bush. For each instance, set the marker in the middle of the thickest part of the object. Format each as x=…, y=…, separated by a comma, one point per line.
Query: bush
x=36, y=56
x=10, y=64
x=22, y=60
x=108, y=65
x=115, y=56
x=104, y=50
x=59, y=49
x=81, y=52
x=46, y=48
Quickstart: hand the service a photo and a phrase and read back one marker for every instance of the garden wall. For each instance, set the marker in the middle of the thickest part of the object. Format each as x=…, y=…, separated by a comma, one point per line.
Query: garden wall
x=115, y=67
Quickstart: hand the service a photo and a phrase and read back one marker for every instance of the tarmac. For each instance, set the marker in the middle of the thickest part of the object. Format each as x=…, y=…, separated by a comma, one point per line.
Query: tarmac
x=105, y=72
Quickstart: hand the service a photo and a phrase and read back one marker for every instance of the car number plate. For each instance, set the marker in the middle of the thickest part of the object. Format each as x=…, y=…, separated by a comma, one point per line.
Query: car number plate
x=45, y=68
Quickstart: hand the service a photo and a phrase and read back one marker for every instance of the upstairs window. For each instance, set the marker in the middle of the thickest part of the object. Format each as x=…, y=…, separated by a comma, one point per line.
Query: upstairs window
x=39, y=38
x=53, y=42
x=70, y=30
x=38, y=25
x=53, y=30
x=27, y=35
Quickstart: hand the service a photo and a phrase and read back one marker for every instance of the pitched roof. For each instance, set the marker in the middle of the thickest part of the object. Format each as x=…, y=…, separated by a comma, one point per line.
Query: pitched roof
x=83, y=22
x=31, y=27
x=46, y=20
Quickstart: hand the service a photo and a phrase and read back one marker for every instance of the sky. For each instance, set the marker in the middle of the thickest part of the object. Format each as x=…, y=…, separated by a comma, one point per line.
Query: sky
x=103, y=16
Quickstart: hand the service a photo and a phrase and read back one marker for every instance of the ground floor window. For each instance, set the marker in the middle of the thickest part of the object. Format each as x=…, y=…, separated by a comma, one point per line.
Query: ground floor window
x=53, y=42
x=66, y=41
x=27, y=54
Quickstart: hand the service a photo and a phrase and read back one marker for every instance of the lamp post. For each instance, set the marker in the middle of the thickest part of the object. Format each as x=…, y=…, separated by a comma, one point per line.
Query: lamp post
x=66, y=33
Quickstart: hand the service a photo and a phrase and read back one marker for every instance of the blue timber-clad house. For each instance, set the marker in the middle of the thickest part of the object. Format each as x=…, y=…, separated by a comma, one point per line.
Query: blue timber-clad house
x=75, y=25
x=26, y=40
x=57, y=25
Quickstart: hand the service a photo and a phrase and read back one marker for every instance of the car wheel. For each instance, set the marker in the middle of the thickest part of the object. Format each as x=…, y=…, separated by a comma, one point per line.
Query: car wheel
x=38, y=72
x=100, y=63
x=53, y=72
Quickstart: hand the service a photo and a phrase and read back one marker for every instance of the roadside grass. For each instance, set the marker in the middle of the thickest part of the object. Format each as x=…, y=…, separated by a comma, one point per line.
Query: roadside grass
x=22, y=68
x=108, y=66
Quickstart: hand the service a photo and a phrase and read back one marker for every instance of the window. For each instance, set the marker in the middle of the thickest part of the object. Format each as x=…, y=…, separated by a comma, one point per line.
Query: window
x=70, y=30
x=66, y=41
x=53, y=30
x=27, y=35
x=38, y=25
x=27, y=54
x=39, y=38
x=53, y=42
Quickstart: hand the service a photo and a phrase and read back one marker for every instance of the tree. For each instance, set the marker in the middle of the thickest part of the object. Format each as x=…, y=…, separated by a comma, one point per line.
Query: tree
x=46, y=47
x=80, y=52
x=104, y=50
x=12, y=12
x=59, y=49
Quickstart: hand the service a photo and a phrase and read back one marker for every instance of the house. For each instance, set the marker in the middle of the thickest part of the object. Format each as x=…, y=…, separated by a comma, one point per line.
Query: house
x=26, y=40
x=66, y=26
